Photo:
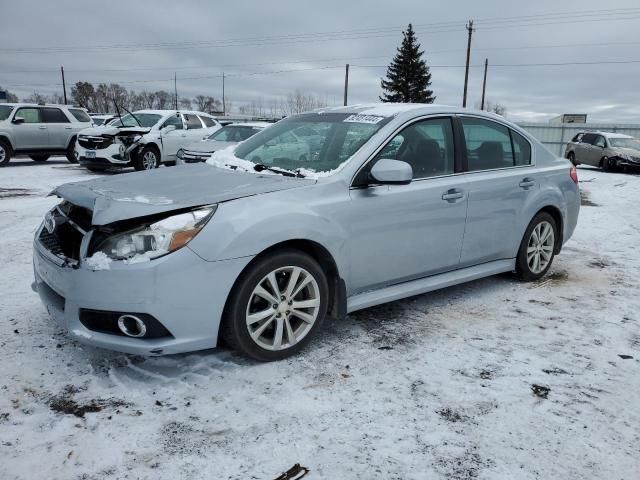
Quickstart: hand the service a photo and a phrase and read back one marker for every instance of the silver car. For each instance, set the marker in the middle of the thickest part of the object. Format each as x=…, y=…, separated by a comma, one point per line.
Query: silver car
x=40, y=130
x=400, y=200
x=609, y=151
x=227, y=136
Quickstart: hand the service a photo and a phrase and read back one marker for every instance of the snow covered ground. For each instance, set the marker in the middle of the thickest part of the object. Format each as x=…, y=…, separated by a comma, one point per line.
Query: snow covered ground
x=437, y=386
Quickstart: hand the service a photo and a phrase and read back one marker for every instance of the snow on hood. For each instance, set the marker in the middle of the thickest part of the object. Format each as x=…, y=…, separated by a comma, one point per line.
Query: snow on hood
x=138, y=194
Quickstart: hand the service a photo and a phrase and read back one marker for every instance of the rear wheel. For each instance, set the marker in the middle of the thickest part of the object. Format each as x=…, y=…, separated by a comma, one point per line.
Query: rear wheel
x=5, y=153
x=276, y=306
x=537, y=248
x=147, y=159
x=39, y=158
x=572, y=158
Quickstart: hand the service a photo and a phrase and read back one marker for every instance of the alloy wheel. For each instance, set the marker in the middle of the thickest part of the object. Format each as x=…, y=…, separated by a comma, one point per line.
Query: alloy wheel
x=149, y=160
x=283, y=308
x=3, y=154
x=540, y=247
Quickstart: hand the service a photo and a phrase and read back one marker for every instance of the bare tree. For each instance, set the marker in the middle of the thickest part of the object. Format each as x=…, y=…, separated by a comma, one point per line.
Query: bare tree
x=497, y=108
x=298, y=102
x=162, y=99
x=35, y=97
x=11, y=97
x=185, y=103
x=83, y=94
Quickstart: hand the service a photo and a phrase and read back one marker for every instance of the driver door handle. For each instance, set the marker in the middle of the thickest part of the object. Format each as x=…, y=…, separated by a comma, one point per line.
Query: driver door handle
x=42, y=127
x=452, y=195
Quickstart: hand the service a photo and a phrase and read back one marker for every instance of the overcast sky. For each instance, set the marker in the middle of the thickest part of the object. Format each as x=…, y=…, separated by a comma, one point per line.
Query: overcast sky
x=141, y=43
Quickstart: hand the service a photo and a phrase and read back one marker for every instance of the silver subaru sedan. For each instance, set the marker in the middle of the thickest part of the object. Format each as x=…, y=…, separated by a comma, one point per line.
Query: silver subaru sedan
x=257, y=249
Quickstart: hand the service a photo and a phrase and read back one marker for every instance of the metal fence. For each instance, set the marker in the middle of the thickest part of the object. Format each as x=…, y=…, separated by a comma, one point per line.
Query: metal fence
x=556, y=136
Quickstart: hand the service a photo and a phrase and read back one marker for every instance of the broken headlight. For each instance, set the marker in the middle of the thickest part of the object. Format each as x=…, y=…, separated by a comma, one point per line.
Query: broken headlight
x=156, y=239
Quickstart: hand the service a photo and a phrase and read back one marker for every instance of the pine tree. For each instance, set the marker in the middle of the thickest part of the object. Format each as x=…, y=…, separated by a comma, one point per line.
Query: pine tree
x=408, y=77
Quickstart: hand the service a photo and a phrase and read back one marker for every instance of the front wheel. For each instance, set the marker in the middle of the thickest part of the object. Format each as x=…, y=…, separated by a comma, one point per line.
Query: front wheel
x=537, y=248
x=71, y=152
x=5, y=153
x=147, y=159
x=277, y=305
x=572, y=158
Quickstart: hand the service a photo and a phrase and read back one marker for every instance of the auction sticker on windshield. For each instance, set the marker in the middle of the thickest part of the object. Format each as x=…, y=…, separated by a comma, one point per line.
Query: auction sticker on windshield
x=373, y=119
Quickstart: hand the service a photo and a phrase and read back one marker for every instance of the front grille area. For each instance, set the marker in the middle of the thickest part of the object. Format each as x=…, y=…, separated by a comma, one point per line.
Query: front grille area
x=95, y=142
x=65, y=239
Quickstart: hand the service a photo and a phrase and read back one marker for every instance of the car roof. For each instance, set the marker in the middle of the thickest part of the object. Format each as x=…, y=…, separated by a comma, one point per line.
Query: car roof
x=170, y=112
x=604, y=134
x=250, y=124
x=26, y=104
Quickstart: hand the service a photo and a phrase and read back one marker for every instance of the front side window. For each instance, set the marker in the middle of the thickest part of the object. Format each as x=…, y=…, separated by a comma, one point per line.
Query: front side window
x=340, y=135
x=232, y=134
x=5, y=111
x=426, y=145
x=53, y=115
x=80, y=115
x=174, y=121
x=192, y=121
x=488, y=145
x=29, y=115
x=589, y=138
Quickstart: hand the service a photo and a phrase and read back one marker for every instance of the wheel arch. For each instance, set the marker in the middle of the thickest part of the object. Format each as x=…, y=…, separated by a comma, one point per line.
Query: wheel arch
x=557, y=216
x=337, y=306
x=6, y=139
x=72, y=141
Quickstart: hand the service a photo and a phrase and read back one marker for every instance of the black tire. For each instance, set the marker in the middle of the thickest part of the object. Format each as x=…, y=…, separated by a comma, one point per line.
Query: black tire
x=234, y=329
x=139, y=162
x=71, y=152
x=39, y=158
x=5, y=153
x=572, y=158
x=606, y=164
x=523, y=270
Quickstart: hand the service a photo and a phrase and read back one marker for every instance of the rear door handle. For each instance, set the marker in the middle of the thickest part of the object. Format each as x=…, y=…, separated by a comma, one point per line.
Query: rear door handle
x=68, y=128
x=42, y=127
x=452, y=195
x=527, y=183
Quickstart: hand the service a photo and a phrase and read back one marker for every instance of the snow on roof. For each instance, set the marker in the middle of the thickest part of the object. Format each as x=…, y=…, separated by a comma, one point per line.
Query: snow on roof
x=614, y=135
x=250, y=124
x=390, y=109
x=170, y=112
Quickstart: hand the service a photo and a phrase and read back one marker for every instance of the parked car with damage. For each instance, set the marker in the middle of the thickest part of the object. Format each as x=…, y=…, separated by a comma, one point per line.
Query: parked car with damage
x=144, y=139
x=606, y=150
x=99, y=119
x=401, y=200
x=227, y=136
x=40, y=130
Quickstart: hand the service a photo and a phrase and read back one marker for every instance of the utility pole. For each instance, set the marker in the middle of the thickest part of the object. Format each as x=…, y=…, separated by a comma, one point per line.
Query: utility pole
x=64, y=86
x=175, y=89
x=346, y=83
x=466, y=70
x=224, y=107
x=484, y=82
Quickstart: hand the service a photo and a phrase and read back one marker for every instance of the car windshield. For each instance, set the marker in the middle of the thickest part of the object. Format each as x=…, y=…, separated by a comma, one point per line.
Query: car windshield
x=5, y=111
x=147, y=120
x=625, y=143
x=233, y=133
x=337, y=136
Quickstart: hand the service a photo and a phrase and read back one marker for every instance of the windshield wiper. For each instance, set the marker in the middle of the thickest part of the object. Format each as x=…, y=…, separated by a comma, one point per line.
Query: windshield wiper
x=259, y=167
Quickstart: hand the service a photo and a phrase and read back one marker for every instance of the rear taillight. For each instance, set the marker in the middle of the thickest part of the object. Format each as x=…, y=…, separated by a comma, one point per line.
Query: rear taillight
x=573, y=173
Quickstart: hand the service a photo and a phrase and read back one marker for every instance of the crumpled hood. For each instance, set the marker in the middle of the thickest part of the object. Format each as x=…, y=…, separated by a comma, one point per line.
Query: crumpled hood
x=113, y=131
x=208, y=146
x=132, y=195
x=634, y=152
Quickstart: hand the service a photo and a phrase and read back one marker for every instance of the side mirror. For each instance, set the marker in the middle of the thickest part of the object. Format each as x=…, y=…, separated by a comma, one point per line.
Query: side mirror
x=17, y=120
x=391, y=172
x=168, y=128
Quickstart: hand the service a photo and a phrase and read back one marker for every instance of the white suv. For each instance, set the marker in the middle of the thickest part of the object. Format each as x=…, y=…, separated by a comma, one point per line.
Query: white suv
x=143, y=139
x=40, y=130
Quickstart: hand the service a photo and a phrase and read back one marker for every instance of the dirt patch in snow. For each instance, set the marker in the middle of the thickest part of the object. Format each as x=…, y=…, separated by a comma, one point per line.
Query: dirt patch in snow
x=586, y=201
x=16, y=192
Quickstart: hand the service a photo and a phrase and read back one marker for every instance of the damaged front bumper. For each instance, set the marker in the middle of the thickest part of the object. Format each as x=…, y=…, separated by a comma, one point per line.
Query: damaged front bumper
x=184, y=294
x=107, y=150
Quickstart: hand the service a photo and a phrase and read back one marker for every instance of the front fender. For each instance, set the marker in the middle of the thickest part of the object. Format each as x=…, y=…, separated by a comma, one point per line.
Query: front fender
x=248, y=226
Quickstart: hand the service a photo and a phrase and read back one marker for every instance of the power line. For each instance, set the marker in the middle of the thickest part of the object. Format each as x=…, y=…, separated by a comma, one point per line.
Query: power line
x=374, y=32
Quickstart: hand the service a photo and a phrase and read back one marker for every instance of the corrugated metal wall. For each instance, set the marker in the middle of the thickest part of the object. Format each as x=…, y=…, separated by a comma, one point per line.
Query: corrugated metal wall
x=556, y=136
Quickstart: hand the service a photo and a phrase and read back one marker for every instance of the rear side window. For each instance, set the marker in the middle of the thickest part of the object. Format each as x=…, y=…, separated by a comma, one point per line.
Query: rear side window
x=30, y=115
x=577, y=138
x=588, y=138
x=80, y=115
x=208, y=121
x=5, y=111
x=192, y=121
x=53, y=115
x=521, y=149
x=488, y=145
